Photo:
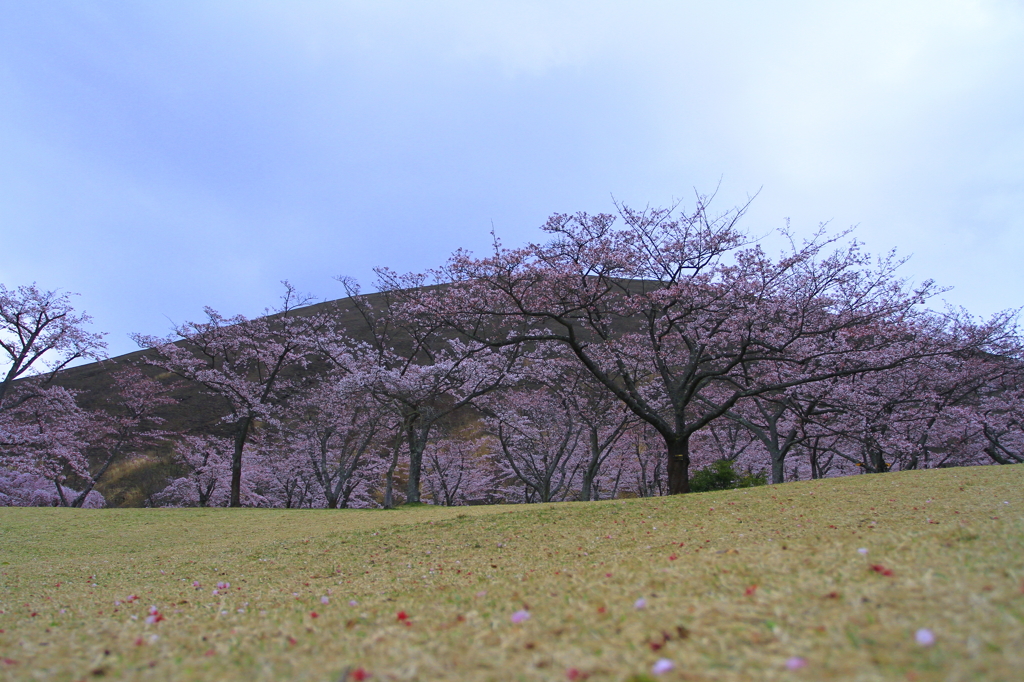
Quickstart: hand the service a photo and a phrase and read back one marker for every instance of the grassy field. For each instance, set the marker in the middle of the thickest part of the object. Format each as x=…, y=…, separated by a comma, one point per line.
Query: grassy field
x=817, y=580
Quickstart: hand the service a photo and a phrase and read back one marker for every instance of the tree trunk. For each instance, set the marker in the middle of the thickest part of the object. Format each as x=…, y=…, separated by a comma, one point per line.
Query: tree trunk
x=80, y=500
x=389, y=485
x=593, y=466
x=778, y=466
x=241, y=436
x=416, y=448
x=678, y=465
x=60, y=495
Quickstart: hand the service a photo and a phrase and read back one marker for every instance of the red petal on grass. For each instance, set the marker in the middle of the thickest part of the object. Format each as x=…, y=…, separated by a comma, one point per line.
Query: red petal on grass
x=359, y=674
x=573, y=674
x=750, y=590
x=292, y=640
x=402, y=615
x=210, y=652
x=314, y=614
x=879, y=568
x=10, y=661
x=672, y=557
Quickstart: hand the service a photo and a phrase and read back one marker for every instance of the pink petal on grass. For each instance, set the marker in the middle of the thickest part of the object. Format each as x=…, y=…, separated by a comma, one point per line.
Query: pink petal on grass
x=640, y=603
x=520, y=616
x=353, y=602
x=924, y=637
x=325, y=600
x=663, y=665
x=796, y=662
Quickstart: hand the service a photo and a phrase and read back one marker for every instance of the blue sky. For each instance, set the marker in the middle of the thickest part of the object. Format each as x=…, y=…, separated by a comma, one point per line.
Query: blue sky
x=160, y=157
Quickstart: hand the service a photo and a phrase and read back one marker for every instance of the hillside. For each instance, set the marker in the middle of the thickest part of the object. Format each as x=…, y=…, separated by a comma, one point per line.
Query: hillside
x=910, y=576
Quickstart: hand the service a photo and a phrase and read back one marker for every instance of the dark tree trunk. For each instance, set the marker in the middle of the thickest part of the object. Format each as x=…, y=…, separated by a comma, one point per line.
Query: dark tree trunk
x=678, y=465
x=242, y=427
x=778, y=466
x=416, y=448
x=60, y=495
x=389, y=485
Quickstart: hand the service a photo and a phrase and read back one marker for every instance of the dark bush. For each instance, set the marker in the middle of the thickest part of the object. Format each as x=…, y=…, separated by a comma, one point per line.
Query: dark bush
x=721, y=475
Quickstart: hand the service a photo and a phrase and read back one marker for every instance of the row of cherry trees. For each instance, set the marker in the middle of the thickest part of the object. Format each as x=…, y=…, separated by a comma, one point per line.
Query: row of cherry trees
x=611, y=360
x=47, y=440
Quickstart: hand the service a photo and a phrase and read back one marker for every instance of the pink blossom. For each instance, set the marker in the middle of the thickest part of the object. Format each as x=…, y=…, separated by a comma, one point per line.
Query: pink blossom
x=520, y=616
x=662, y=665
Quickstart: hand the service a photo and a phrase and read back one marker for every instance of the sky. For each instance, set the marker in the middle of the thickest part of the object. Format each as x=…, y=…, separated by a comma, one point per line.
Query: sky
x=156, y=158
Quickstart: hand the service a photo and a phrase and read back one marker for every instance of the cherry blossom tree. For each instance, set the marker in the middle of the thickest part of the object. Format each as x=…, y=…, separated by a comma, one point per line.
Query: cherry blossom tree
x=677, y=315
x=458, y=470
x=41, y=328
x=541, y=439
x=250, y=364
x=336, y=431
x=284, y=478
x=127, y=426
x=206, y=461
x=644, y=466
x=43, y=432
x=421, y=376
x=47, y=434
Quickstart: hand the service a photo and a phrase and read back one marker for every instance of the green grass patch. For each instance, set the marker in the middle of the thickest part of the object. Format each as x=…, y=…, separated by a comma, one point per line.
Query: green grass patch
x=735, y=583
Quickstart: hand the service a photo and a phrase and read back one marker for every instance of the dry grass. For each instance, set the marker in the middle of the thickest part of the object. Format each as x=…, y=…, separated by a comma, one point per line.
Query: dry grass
x=953, y=540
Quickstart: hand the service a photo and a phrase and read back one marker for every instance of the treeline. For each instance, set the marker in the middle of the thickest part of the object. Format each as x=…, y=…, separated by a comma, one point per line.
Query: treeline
x=613, y=360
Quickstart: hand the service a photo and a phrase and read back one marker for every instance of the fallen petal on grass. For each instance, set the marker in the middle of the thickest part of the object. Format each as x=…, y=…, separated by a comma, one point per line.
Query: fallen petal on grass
x=795, y=662
x=662, y=666
x=924, y=637
x=520, y=616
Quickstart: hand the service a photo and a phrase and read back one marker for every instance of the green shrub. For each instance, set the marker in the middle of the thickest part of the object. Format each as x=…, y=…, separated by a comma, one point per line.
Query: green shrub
x=721, y=475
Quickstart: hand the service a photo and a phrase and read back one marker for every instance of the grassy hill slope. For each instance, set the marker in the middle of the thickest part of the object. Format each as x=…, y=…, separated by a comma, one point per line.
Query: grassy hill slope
x=735, y=584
